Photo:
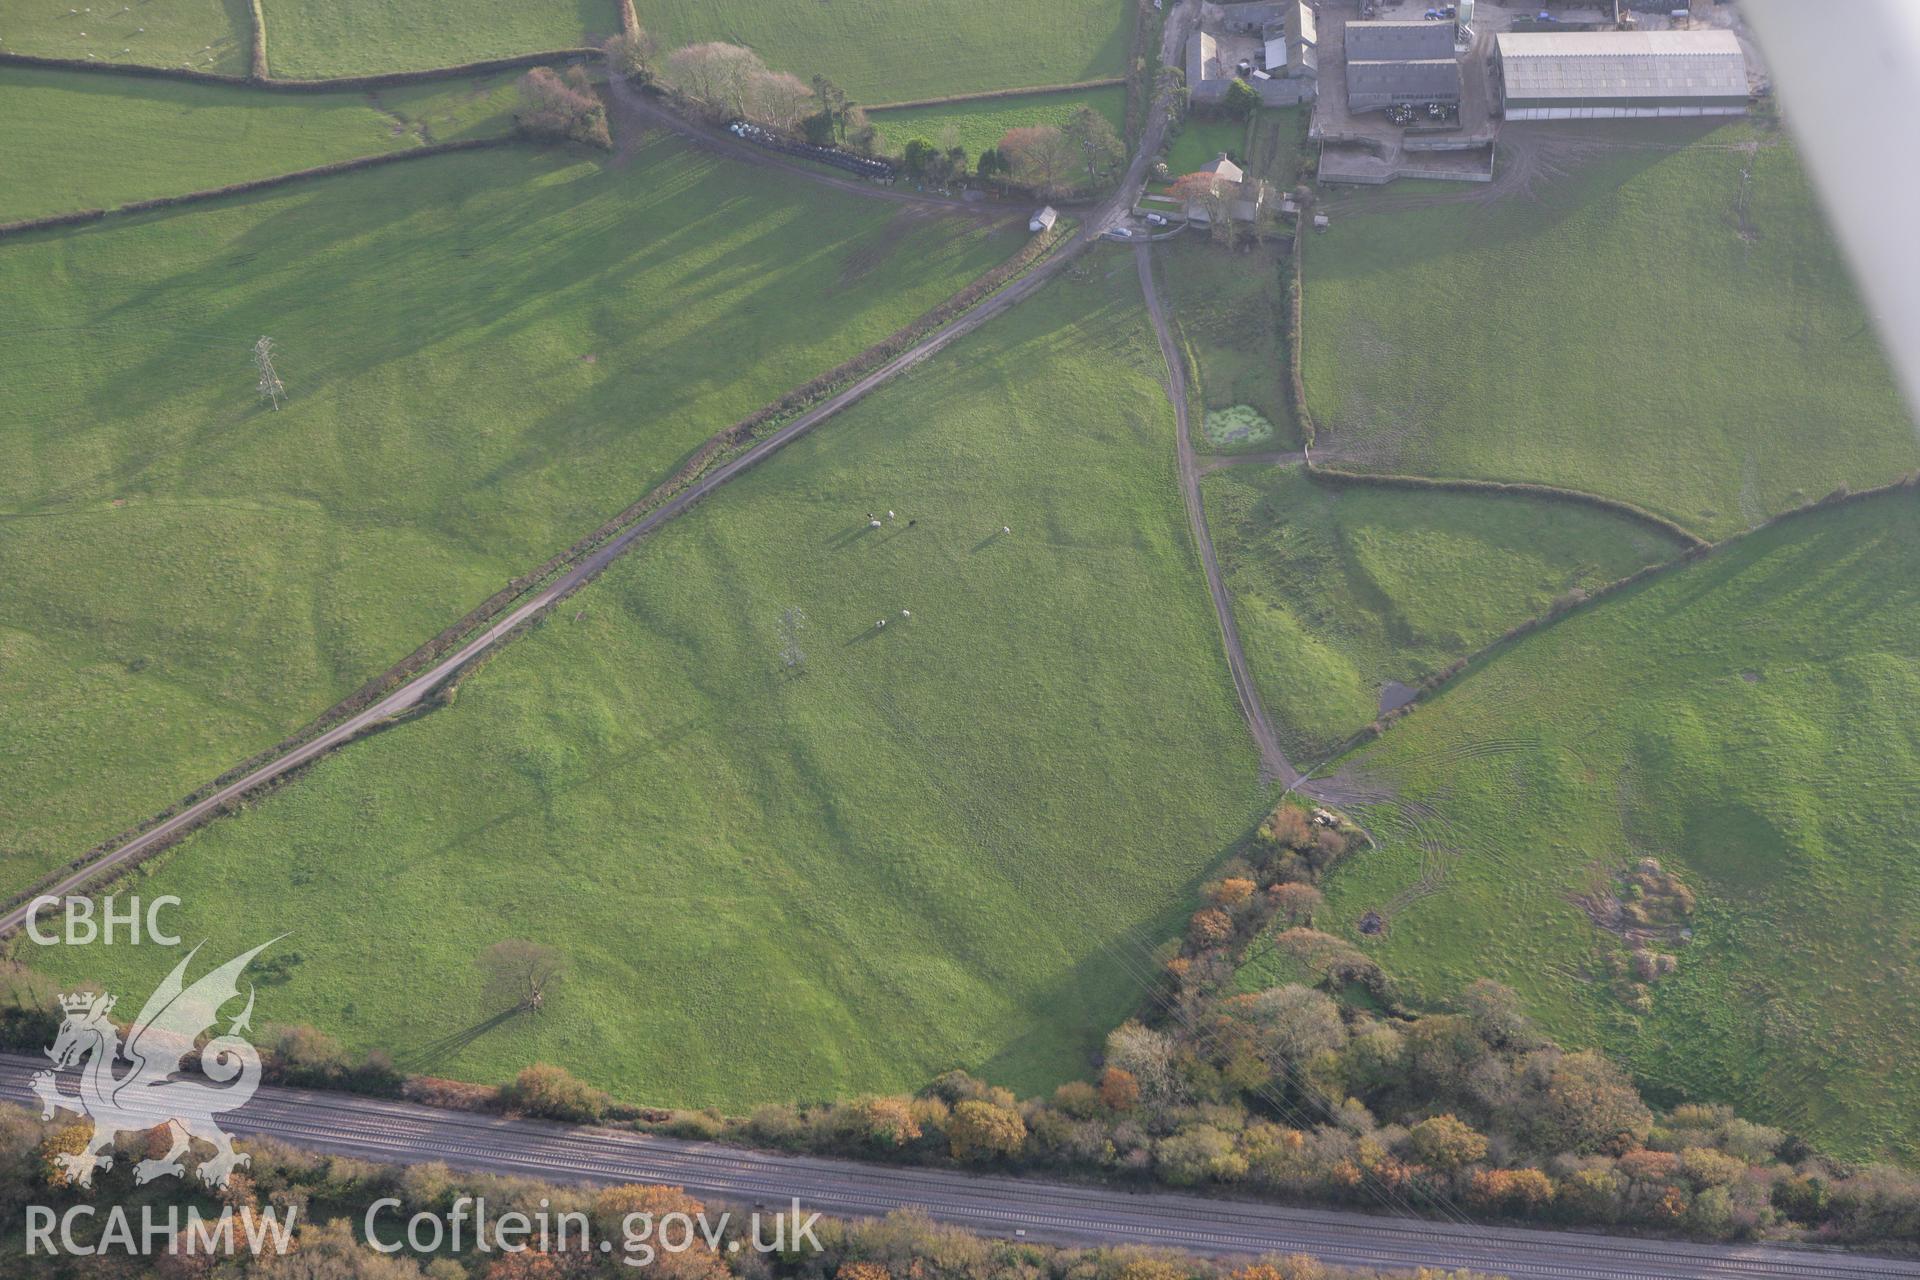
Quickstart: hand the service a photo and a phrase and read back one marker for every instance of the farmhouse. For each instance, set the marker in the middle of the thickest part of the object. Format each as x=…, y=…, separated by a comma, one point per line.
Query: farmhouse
x=1591, y=75
x=1222, y=169
x=1391, y=63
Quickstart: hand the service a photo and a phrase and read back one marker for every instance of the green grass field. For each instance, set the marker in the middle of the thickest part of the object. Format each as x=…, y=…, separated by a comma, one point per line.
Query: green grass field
x=1339, y=590
x=915, y=854
x=1748, y=721
x=209, y=35
x=313, y=39
x=880, y=51
x=1231, y=309
x=1660, y=325
x=69, y=140
x=979, y=125
x=486, y=356
x=1202, y=139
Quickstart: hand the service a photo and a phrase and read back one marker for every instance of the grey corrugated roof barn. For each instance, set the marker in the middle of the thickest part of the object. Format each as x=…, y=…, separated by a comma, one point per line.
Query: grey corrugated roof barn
x=1372, y=85
x=1600, y=74
x=1398, y=41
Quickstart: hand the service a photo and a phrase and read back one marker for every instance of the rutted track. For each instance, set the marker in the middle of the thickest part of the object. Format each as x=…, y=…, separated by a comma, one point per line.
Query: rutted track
x=1273, y=759
x=396, y=1132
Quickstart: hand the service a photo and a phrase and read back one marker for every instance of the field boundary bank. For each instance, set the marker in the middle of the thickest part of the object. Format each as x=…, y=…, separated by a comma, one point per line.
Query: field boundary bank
x=381, y=80
x=1433, y=682
x=1509, y=488
x=629, y=18
x=989, y=95
x=251, y=185
x=703, y=458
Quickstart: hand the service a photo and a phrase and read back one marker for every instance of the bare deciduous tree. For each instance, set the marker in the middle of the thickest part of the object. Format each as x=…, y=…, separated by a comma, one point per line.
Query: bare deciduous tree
x=713, y=75
x=635, y=55
x=1041, y=158
x=521, y=974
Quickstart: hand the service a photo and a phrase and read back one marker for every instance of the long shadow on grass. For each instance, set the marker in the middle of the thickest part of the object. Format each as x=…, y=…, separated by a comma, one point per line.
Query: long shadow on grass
x=435, y=1052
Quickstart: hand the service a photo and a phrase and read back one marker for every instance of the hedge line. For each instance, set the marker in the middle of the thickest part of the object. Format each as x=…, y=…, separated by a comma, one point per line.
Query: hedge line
x=260, y=71
x=1521, y=488
x=56, y=220
x=256, y=184
x=1574, y=602
x=490, y=608
x=385, y=80
x=988, y=95
x=629, y=20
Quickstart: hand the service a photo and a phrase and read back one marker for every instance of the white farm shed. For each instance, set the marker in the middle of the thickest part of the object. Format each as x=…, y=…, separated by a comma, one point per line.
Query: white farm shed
x=1600, y=75
x=1044, y=219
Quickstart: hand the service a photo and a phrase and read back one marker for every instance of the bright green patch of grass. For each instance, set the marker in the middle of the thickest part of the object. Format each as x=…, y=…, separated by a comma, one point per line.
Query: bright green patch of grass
x=1203, y=138
x=1236, y=426
x=69, y=140
x=1748, y=721
x=1339, y=591
x=313, y=39
x=1232, y=309
x=209, y=35
x=945, y=842
x=1671, y=324
x=485, y=356
x=882, y=51
x=979, y=125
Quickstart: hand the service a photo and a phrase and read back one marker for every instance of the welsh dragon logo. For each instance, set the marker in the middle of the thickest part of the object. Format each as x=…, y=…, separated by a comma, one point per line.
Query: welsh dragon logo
x=147, y=1096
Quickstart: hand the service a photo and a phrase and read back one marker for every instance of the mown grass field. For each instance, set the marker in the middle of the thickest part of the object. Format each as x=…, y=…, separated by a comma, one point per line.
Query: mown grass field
x=1340, y=590
x=1203, y=138
x=486, y=355
x=943, y=843
x=1231, y=309
x=1669, y=323
x=70, y=140
x=881, y=51
x=314, y=39
x=979, y=125
x=1748, y=721
x=208, y=35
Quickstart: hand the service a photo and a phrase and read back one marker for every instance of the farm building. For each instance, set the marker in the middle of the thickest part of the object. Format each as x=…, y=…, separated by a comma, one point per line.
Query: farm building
x=1399, y=41
x=1044, y=219
x=1390, y=63
x=1270, y=46
x=1591, y=75
x=1292, y=43
x=1373, y=85
x=1223, y=169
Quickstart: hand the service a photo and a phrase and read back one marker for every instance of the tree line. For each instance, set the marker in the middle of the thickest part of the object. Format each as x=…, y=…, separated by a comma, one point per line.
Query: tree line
x=1319, y=1088
x=330, y=1196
